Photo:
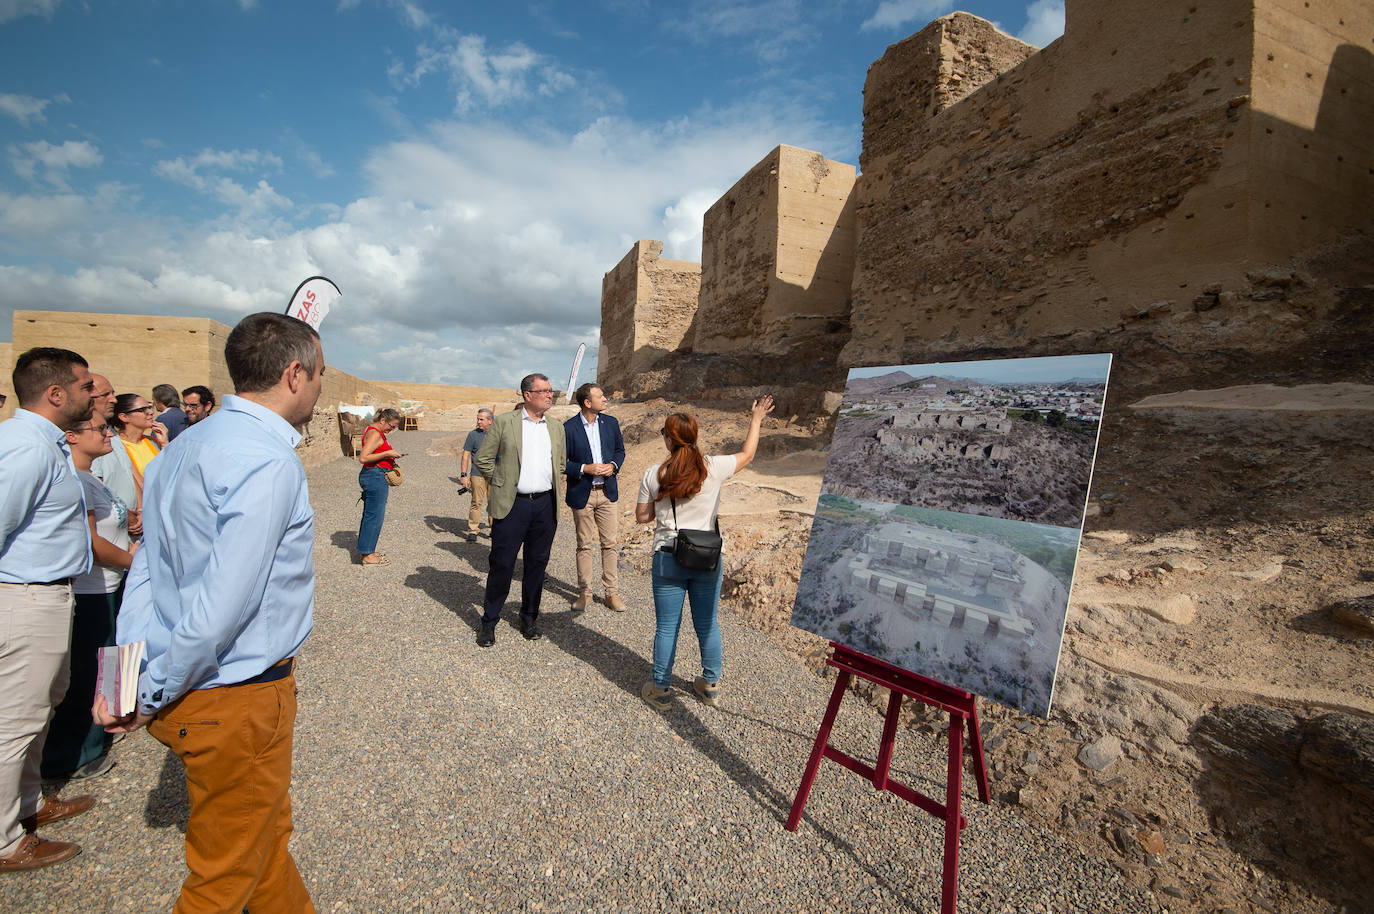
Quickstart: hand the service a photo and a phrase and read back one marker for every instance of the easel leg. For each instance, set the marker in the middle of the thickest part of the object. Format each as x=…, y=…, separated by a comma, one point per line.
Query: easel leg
x=980, y=771
x=817, y=750
x=894, y=708
x=949, y=885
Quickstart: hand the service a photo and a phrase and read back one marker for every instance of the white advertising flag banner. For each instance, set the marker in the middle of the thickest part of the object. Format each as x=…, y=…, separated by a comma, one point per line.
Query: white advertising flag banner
x=312, y=300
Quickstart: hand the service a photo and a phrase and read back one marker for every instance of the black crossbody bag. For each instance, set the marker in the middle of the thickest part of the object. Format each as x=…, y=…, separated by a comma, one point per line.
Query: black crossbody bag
x=696, y=550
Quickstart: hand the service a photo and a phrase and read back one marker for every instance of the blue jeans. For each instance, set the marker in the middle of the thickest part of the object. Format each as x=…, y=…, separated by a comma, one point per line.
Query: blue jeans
x=375, y=491
x=672, y=583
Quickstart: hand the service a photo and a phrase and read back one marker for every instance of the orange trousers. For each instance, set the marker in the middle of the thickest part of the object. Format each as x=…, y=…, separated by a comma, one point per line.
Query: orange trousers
x=236, y=744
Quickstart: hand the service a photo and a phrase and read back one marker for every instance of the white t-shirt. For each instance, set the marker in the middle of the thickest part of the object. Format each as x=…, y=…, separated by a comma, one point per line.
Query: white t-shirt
x=697, y=512
x=111, y=522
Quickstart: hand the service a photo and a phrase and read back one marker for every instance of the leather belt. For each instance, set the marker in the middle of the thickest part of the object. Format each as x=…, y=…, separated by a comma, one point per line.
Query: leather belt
x=279, y=670
x=533, y=495
x=60, y=582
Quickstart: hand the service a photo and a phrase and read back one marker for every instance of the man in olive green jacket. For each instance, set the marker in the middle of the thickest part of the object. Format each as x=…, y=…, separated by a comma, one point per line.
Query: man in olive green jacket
x=523, y=503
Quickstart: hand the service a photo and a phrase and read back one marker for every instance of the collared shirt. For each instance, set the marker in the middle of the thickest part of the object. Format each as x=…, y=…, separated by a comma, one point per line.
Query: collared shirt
x=224, y=585
x=43, y=531
x=536, y=455
x=593, y=430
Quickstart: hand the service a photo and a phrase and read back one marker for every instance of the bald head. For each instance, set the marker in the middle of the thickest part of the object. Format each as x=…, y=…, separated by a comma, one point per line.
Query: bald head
x=103, y=400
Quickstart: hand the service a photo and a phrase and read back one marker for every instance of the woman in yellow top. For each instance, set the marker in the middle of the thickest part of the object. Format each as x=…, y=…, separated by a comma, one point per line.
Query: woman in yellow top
x=141, y=437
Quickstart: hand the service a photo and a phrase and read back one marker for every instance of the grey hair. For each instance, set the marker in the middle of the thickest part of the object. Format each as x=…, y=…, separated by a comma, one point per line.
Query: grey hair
x=166, y=394
x=484, y=412
x=527, y=382
x=389, y=414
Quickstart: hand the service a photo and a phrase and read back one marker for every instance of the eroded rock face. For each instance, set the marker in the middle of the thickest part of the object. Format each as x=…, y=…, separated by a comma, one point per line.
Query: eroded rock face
x=1294, y=790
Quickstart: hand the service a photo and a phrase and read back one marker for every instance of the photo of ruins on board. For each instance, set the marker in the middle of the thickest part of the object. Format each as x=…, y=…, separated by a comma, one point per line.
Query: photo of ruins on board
x=949, y=519
x=1012, y=438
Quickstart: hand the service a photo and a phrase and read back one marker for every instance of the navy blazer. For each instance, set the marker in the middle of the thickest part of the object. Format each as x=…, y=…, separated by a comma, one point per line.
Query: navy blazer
x=580, y=454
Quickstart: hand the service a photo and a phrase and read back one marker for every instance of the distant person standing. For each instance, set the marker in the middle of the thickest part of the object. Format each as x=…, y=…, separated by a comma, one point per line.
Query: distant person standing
x=197, y=402
x=469, y=475
x=223, y=591
x=378, y=458
x=596, y=452
x=171, y=416
x=523, y=456
x=44, y=543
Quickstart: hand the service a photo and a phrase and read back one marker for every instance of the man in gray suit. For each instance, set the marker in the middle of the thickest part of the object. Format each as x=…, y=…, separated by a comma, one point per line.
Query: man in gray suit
x=532, y=454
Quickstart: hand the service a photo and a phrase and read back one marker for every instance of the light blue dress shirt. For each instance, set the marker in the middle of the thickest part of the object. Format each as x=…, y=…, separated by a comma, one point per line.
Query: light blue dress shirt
x=43, y=531
x=593, y=431
x=224, y=585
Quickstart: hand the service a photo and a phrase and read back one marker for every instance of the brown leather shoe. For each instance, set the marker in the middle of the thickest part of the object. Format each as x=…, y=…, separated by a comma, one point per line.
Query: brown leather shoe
x=35, y=852
x=582, y=602
x=613, y=602
x=55, y=810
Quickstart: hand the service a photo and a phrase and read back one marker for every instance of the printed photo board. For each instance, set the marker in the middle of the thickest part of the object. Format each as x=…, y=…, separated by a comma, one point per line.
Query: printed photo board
x=950, y=516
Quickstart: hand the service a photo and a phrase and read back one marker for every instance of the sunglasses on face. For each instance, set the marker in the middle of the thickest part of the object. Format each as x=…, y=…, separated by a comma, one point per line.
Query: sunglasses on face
x=148, y=410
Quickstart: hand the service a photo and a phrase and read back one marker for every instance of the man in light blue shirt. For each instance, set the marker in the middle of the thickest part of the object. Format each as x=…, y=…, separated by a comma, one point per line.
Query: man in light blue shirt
x=44, y=543
x=223, y=593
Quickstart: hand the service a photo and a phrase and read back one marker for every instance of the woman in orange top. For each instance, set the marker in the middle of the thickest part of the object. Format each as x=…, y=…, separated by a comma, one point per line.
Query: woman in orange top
x=141, y=437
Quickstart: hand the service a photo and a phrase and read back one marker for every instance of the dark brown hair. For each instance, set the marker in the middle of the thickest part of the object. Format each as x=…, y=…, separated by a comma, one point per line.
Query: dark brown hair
x=682, y=474
x=40, y=368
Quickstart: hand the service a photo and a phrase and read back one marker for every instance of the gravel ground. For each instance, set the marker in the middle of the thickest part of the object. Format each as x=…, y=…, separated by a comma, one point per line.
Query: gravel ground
x=432, y=775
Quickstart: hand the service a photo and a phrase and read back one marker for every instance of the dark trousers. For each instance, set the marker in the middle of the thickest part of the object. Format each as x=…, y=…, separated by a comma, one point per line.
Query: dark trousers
x=72, y=739
x=531, y=523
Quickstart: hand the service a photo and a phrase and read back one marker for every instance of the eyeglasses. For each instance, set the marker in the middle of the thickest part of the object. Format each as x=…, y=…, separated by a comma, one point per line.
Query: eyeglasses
x=140, y=409
x=104, y=429
x=540, y=390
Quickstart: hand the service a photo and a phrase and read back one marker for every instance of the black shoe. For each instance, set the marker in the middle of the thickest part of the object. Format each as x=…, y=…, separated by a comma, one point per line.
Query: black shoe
x=472, y=537
x=487, y=636
x=530, y=630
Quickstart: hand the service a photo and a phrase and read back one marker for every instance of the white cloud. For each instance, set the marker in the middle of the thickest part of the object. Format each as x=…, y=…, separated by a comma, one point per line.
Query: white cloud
x=682, y=223
x=473, y=253
x=896, y=14
x=1044, y=22
x=28, y=158
x=25, y=108
x=481, y=76
x=775, y=28
x=13, y=9
x=203, y=173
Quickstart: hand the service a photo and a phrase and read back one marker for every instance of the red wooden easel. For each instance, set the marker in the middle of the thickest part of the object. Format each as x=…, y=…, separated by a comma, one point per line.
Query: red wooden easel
x=961, y=708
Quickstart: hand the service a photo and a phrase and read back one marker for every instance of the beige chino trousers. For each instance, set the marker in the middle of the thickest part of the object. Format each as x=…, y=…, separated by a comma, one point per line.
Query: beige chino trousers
x=480, y=487
x=596, y=525
x=35, y=656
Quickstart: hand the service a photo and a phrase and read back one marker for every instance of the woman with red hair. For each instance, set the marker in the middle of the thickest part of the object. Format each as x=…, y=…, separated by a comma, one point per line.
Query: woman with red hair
x=683, y=493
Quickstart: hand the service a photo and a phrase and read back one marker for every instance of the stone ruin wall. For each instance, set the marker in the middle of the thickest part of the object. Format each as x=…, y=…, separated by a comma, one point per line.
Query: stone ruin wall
x=1128, y=178
x=137, y=352
x=648, y=304
x=777, y=258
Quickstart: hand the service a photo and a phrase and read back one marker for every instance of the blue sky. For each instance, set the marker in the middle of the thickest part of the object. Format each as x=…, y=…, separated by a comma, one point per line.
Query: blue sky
x=466, y=173
x=1092, y=366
